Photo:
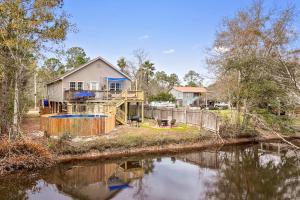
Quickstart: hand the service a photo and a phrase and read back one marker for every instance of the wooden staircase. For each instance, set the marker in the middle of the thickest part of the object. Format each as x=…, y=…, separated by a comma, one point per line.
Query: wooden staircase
x=121, y=116
x=110, y=106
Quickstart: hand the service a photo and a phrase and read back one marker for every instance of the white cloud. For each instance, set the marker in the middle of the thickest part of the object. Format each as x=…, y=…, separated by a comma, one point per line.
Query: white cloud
x=168, y=51
x=221, y=49
x=144, y=37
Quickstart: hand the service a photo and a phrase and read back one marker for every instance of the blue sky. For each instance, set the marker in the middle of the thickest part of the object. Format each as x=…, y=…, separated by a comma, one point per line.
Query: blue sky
x=175, y=33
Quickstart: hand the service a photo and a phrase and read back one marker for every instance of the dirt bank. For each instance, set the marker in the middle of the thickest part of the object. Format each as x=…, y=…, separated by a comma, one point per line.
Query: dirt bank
x=164, y=149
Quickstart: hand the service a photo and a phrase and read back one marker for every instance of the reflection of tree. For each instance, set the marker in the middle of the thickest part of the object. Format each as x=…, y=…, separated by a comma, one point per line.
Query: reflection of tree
x=247, y=178
x=148, y=165
x=15, y=186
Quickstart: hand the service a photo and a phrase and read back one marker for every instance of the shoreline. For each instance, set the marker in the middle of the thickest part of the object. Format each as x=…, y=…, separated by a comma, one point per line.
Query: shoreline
x=163, y=149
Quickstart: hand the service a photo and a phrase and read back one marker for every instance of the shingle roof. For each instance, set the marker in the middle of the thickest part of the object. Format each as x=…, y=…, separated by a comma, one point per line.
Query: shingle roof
x=190, y=89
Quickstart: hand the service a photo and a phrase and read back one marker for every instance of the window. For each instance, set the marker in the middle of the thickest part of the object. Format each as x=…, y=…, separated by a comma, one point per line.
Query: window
x=79, y=85
x=114, y=86
x=196, y=94
x=93, y=86
x=72, y=85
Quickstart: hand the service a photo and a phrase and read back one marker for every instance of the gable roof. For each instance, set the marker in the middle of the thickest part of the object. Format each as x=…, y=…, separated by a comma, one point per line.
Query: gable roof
x=190, y=89
x=85, y=65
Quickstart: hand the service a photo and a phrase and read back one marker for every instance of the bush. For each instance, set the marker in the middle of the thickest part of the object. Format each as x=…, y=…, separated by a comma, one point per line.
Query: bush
x=280, y=123
x=162, y=96
x=23, y=154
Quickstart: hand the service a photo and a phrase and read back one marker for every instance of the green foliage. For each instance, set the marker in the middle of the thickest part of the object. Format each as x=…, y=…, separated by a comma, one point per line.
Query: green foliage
x=76, y=56
x=280, y=123
x=26, y=26
x=162, y=96
x=266, y=72
x=193, y=79
x=166, y=82
x=122, y=64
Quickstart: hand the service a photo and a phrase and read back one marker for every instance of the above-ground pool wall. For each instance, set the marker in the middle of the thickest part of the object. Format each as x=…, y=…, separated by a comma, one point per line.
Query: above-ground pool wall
x=77, y=126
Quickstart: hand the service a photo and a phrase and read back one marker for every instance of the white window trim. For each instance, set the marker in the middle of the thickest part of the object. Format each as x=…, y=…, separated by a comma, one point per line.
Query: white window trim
x=121, y=85
x=76, y=84
x=97, y=85
x=70, y=84
x=82, y=84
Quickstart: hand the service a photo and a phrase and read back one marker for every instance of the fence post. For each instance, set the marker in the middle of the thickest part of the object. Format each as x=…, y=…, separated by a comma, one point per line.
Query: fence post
x=185, y=115
x=152, y=114
x=201, y=113
x=216, y=124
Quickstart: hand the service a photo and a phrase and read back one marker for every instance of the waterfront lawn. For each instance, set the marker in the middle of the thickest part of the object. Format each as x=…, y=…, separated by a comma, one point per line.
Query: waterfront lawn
x=126, y=137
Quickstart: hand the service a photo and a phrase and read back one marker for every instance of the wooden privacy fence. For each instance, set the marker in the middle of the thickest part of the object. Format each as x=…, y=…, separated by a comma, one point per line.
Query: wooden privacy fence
x=198, y=117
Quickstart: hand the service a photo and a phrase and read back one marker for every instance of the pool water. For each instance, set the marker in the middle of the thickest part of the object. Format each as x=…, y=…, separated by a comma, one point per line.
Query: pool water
x=258, y=171
x=79, y=116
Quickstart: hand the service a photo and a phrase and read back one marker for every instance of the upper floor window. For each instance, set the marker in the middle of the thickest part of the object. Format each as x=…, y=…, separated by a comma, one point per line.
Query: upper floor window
x=72, y=85
x=79, y=85
x=93, y=86
x=115, y=86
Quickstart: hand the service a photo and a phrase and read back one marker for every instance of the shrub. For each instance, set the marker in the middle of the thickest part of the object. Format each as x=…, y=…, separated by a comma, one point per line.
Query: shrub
x=23, y=154
x=162, y=96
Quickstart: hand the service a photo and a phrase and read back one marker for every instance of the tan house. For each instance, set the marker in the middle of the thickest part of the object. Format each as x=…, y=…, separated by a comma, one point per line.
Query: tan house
x=189, y=96
x=95, y=87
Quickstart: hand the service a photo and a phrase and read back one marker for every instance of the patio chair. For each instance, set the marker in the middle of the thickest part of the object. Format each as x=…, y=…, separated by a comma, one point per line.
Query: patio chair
x=159, y=123
x=137, y=119
x=172, y=123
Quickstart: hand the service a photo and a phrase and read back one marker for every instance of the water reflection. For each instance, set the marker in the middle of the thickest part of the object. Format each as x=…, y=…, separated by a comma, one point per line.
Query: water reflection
x=264, y=171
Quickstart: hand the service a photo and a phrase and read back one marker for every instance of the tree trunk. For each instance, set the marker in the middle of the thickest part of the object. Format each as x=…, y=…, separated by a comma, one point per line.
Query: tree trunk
x=238, y=104
x=4, y=105
x=15, y=130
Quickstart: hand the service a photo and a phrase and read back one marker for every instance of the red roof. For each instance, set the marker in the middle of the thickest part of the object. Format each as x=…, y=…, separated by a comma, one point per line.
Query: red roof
x=191, y=89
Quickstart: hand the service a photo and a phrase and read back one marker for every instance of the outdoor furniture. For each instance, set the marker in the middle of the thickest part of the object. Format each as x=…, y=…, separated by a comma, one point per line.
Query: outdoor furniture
x=172, y=123
x=164, y=122
x=159, y=122
x=136, y=119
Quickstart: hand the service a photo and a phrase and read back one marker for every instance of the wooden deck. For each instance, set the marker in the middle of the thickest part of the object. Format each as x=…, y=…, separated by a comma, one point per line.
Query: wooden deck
x=110, y=103
x=103, y=95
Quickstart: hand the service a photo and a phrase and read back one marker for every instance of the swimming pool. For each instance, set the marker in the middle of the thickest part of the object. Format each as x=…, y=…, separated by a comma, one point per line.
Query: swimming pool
x=79, y=116
x=77, y=124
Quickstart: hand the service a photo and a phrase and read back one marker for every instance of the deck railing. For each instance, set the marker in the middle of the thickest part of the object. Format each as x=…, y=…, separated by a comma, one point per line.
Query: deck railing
x=69, y=95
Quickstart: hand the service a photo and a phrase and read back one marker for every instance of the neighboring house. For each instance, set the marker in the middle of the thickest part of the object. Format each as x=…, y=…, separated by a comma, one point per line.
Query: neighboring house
x=95, y=83
x=189, y=96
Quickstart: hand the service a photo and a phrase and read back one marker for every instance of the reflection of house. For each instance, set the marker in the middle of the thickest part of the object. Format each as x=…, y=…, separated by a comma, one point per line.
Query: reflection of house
x=209, y=159
x=189, y=96
x=94, y=87
x=204, y=159
x=101, y=181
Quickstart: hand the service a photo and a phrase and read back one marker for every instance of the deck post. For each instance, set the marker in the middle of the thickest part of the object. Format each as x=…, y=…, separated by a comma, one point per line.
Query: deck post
x=138, y=109
x=142, y=111
x=54, y=107
x=106, y=88
x=126, y=111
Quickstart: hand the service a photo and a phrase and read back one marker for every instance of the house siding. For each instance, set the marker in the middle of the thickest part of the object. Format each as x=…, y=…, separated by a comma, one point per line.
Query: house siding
x=95, y=72
x=54, y=91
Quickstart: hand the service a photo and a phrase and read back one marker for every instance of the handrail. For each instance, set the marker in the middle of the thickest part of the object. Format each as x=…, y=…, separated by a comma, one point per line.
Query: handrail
x=102, y=94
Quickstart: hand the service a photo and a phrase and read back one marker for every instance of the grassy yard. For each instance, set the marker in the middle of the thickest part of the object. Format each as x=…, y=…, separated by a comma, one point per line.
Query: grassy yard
x=126, y=137
x=227, y=114
x=296, y=122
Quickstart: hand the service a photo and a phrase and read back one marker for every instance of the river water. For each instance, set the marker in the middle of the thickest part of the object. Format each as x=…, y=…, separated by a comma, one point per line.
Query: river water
x=254, y=171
